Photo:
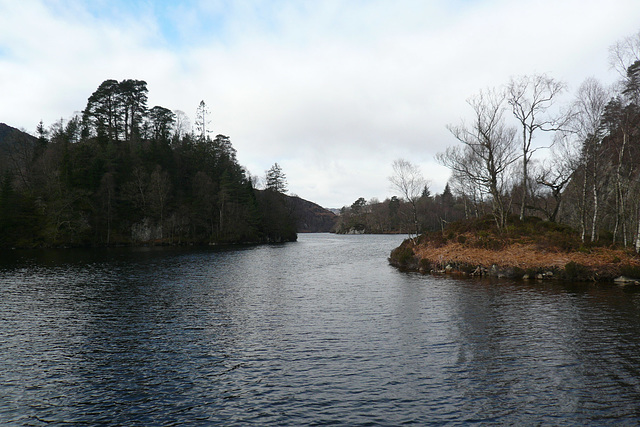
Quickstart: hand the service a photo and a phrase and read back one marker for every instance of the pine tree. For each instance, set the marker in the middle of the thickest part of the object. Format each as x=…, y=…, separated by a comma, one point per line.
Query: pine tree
x=276, y=179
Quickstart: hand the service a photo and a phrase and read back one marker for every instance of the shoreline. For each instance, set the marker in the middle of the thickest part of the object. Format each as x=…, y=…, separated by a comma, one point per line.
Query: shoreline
x=519, y=261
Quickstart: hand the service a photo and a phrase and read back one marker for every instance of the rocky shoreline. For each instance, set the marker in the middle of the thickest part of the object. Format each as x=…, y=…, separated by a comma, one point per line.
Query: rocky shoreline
x=523, y=262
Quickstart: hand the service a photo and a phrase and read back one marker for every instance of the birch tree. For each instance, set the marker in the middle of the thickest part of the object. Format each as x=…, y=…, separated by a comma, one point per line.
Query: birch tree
x=182, y=125
x=586, y=125
x=487, y=151
x=530, y=98
x=624, y=53
x=409, y=182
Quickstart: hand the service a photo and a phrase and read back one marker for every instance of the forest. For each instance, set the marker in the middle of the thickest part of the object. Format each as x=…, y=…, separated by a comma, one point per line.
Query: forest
x=120, y=173
x=522, y=153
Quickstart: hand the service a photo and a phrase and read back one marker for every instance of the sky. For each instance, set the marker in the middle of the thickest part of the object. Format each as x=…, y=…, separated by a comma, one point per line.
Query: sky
x=332, y=90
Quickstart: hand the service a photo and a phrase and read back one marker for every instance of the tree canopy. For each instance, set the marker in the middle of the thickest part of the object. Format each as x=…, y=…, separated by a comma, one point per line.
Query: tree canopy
x=122, y=173
x=276, y=180
x=587, y=178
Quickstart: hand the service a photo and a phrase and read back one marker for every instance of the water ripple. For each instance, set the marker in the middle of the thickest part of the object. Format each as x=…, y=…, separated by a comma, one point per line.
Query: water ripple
x=317, y=332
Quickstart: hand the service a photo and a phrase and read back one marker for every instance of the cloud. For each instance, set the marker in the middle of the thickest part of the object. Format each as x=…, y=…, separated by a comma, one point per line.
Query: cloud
x=334, y=91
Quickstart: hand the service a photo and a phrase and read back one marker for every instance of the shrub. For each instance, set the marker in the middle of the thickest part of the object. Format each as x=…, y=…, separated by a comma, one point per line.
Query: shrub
x=562, y=240
x=402, y=255
x=517, y=272
x=437, y=239
x=425, y=265
x=632, y=271
x=575, y=271
x=511, y=231
x=494, y=244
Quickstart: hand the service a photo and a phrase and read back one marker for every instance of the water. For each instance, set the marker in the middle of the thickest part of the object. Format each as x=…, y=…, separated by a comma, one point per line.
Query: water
x=321, y=331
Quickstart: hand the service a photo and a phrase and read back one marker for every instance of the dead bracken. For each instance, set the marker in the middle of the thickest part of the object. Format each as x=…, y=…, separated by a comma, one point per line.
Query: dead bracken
x=531, y=249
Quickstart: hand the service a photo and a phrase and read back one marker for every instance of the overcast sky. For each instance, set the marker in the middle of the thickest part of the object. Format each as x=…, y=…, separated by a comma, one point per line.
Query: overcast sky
x=333, y=91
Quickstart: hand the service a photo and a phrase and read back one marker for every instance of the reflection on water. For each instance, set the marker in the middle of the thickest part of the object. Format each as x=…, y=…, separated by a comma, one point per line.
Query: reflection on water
x=318, y=331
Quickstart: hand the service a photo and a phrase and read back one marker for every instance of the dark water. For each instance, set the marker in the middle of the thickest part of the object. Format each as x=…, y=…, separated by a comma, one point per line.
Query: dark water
x=321, y=331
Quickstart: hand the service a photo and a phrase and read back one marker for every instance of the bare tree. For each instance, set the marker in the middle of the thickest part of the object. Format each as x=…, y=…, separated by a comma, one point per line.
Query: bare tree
x=488, y=149
x=557, y=170
x=17, y=156
x=624, y=53
x=182, y=124
x=620, y=119
x=586, y=124
x=530, y=98
x=470, y=192
x=624, y=57
x=410, y=183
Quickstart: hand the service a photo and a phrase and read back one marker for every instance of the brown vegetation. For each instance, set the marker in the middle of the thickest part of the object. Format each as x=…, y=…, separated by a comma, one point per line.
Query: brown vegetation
x=524, y=249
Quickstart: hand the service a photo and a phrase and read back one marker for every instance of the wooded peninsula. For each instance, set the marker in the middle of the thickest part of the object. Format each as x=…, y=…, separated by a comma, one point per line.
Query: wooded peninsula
x=517, y=208
x=120, y=173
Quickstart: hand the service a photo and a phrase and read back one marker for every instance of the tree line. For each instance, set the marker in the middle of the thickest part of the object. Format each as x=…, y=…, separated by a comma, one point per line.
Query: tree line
x=410, y=214
x=587, y=175
x=123, y=173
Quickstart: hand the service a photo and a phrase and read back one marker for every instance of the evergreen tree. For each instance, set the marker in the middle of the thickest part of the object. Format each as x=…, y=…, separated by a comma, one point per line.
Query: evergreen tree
x=276, y=179
x=202, y=121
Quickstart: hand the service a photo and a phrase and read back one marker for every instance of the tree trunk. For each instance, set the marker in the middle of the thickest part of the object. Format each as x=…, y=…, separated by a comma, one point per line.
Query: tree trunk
x=557, y=195
x=415, y=217
x=620, y=208
x=583, y=210
x=595, y=211
x=524, y=179
x=638, y=232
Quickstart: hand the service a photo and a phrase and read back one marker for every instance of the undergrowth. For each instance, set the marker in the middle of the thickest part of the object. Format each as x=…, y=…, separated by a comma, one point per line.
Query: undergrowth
x=483, y=233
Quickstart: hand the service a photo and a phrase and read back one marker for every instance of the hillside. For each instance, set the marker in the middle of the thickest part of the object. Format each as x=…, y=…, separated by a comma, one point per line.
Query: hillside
x=525, y=249
x=311, y=217
x=7, y=133
x=12, y=146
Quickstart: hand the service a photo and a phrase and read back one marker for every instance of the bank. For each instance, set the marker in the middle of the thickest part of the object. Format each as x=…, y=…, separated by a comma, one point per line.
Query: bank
x=531, y=250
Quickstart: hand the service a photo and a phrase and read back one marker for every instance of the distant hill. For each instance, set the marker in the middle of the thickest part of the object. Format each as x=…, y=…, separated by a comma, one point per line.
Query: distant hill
x=9, y=134
x=15, y=146
x=312, y=218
